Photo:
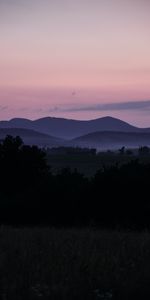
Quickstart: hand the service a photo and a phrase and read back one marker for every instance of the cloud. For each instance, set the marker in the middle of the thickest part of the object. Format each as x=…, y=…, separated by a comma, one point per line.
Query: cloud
x=132, y=105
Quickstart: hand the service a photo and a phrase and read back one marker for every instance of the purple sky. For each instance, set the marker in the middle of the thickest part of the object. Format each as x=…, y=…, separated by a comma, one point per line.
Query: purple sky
x=77, y=59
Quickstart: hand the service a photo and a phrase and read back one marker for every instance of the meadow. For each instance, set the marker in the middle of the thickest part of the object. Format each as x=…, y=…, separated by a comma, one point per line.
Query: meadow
x=49, y=263
x=89, y=163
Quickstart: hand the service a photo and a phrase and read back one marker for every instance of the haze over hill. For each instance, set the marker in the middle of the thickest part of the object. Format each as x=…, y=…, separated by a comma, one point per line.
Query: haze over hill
x=31, y=137
x=113, y=140
x=102, y=133
x=69, y=129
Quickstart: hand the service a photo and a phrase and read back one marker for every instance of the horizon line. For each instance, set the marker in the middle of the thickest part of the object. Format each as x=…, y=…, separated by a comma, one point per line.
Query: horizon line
x=70, y=119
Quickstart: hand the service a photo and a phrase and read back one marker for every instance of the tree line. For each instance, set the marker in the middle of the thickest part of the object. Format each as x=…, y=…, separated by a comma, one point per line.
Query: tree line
x=30, y=194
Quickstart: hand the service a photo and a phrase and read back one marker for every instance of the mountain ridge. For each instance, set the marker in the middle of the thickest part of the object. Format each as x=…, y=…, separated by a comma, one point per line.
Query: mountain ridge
x=70, y=128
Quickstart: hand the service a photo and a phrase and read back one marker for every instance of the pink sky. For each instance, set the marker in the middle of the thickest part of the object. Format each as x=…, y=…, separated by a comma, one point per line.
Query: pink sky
x=60, y=54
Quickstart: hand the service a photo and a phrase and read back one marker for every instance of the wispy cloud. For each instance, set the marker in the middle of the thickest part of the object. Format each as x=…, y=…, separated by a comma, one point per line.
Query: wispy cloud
x=132, y=105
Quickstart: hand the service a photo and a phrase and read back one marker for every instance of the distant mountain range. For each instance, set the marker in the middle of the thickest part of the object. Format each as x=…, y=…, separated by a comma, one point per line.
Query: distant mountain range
x=69, y=129
x=106, y=132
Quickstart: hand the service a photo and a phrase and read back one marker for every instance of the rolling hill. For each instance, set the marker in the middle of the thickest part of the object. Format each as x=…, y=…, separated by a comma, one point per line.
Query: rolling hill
x=113, y=140
x=69, y=129
x=102, y=133
x=31, y=137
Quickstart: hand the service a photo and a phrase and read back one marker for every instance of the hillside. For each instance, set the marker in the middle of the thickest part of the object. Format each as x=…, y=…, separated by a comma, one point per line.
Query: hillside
x=69, y=129
x=31, y=137
x=113, y=140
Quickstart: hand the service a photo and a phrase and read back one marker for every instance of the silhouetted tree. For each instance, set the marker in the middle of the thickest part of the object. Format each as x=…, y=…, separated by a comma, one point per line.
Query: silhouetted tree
x=144, y=150
x=117, y=196
x=122, y=150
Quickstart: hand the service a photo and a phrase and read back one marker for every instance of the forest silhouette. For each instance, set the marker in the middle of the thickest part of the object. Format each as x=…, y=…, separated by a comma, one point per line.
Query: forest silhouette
x=30, y=194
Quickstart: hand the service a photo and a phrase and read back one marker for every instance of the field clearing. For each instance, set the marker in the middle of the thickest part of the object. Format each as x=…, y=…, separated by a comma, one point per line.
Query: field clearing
x=44, y=263
x=90, y=164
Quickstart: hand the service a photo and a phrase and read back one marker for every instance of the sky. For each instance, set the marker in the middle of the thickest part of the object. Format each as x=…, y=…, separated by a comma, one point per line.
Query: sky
x=80, y=59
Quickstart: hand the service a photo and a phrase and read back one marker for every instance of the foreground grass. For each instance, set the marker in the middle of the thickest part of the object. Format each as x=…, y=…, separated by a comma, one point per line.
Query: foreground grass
x=73, y=264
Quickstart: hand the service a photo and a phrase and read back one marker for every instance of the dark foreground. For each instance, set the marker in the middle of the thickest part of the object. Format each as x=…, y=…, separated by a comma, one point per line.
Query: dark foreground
x=74, y=264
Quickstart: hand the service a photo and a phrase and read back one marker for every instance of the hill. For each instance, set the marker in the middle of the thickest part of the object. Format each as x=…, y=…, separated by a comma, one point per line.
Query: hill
x=113, y=140
x=31, y=137
x=69, y=129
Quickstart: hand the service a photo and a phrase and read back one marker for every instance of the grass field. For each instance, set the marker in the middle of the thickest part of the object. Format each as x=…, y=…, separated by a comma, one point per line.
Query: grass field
x=43, y=263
